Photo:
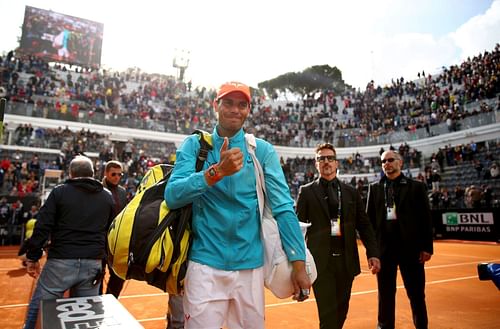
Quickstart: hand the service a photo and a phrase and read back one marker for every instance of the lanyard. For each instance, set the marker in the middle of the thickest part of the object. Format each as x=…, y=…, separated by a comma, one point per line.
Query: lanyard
x=335, y=228
x=340, y=200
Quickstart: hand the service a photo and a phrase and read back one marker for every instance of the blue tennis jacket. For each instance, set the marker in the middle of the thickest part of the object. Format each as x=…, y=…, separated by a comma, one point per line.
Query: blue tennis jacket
x=226, y=220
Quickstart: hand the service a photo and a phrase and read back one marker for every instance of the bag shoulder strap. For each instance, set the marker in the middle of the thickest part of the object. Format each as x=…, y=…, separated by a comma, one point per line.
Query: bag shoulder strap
x=259, y=173
x=205, y=147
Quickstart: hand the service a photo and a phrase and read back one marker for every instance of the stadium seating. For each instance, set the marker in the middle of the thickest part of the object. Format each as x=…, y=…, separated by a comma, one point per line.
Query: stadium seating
x=102, y=112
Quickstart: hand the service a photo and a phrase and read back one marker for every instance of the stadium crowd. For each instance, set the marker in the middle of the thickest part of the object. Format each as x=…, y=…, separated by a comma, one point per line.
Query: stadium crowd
x=138, y=155
x=159, y=102
x=21, y=172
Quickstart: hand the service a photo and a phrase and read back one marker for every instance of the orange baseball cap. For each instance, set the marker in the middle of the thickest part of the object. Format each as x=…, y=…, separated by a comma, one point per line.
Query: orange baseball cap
x=233, y=86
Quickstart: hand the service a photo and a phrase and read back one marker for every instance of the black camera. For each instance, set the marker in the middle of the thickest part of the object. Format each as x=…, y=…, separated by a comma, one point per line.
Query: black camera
x=489, y=271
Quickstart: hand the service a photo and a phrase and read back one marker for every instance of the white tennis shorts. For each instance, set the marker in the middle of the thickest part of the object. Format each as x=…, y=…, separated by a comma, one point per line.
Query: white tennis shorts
x=215, y=298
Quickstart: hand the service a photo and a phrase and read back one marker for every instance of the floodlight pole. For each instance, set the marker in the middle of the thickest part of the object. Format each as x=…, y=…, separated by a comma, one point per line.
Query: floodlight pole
x=181, y=62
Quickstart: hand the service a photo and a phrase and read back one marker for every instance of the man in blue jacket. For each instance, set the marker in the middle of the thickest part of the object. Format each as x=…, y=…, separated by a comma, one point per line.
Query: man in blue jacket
x=224, y=281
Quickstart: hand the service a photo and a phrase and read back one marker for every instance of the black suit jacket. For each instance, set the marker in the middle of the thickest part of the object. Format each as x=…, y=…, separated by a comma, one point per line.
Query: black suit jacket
x=412, y=212
x=312, y=207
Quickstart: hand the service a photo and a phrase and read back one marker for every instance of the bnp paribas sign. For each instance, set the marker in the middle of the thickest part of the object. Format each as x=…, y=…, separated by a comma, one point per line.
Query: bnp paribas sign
x=468, y=222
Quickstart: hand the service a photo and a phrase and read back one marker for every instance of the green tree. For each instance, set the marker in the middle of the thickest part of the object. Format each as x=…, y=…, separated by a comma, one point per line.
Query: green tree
x=322, y=77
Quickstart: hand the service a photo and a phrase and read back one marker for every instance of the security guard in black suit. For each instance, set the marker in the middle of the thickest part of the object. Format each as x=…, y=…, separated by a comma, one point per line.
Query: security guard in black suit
x=335, y=211
x=399, y=211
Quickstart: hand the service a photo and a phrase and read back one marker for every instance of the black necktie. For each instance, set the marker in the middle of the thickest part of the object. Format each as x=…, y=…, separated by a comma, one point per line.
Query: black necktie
x=333, y=202
x=390, y=194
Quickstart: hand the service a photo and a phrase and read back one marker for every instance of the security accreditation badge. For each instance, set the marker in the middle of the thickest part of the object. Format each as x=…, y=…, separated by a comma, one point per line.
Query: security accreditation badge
x=391, y=212
x=335, y=226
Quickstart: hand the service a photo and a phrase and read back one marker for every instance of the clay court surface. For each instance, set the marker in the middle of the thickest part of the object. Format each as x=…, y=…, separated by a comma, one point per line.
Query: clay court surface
x=456, y=299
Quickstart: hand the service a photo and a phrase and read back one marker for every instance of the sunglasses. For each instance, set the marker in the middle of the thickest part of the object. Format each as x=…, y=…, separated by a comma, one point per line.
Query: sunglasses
x=114, y=174
x=324, y=158
x=390, y=160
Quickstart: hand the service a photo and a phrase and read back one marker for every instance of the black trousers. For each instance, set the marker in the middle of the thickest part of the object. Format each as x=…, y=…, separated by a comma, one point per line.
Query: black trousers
x=332, y=290
x=413, y=274
x=115, y=283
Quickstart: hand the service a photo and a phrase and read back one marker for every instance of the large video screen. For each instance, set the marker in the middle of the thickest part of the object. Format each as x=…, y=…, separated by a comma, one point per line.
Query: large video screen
x=61, y=38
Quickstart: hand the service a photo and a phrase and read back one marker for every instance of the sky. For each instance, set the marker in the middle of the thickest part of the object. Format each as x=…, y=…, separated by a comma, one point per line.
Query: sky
x=253, y=41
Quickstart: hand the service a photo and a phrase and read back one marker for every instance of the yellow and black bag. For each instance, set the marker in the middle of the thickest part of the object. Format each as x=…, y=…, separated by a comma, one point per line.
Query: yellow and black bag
x=149, y=242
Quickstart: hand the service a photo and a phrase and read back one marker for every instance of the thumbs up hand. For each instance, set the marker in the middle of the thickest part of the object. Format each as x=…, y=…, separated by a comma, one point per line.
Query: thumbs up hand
x=231, y=160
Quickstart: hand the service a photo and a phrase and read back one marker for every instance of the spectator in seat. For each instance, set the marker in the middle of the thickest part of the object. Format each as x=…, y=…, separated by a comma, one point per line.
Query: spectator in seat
x=478, y=166
x=435, y=198
x=435, y=179
x=459, y=197
x=420, y=177
x=434, y=164
x=5, y=211
x=473, y=197
x=494, y=171
x=445, y=198
x=487, y=195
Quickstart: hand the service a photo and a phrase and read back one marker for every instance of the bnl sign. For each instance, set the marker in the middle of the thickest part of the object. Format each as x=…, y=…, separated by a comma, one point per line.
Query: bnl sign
x=476, y=218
